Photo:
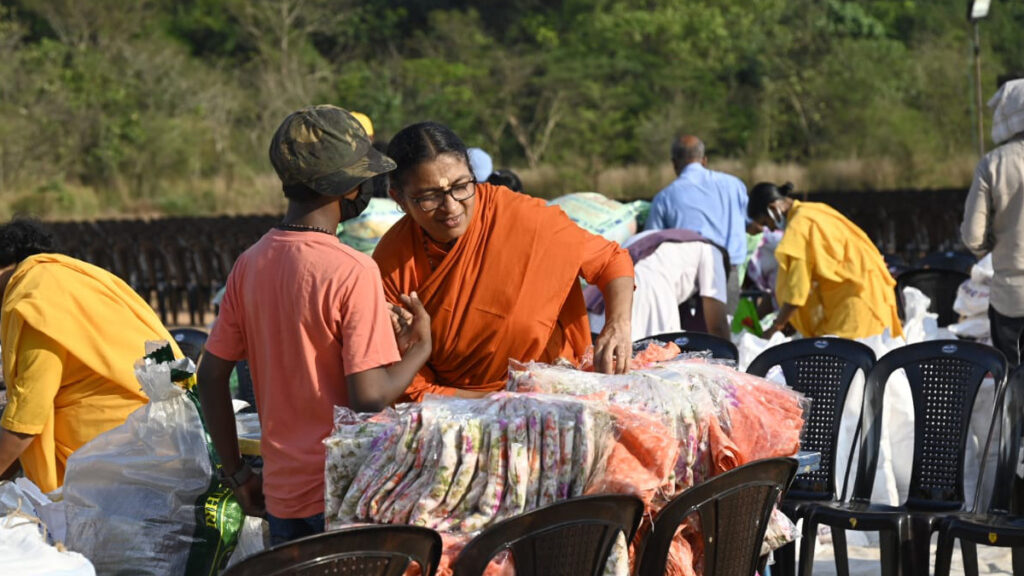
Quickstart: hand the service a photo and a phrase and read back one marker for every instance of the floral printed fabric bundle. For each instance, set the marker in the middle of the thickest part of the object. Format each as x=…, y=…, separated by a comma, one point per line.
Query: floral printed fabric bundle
x=459, y=465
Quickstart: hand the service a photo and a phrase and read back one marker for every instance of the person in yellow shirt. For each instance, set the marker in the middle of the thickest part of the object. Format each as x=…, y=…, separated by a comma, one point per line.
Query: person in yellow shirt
x=832, y=281
x=70, y=334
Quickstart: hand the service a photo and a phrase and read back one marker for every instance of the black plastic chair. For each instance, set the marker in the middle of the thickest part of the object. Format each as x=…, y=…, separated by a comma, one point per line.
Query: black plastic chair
x=366, y=550
x=948, y=260
x=719, y=348
x=1002, y=524
x=944, y=378
x=895, y=263
x=191, y=342
x=821, y=369
x=733, y=508
x=569, y=537
x=937, y=284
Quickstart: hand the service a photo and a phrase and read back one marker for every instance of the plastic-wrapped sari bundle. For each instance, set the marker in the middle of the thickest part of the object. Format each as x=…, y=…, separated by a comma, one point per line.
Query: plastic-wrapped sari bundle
x=719, y=414
x=750, y=418
x=353, y=440
x=460, y=464
x=672, y=401
x=720, y=417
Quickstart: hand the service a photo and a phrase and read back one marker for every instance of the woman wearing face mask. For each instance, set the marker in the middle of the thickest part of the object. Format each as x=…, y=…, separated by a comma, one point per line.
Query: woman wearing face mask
x=832, y=281
x=497, y=271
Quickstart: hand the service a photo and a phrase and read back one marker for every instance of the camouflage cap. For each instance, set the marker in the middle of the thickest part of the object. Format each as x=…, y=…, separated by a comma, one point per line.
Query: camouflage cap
x=326, y=148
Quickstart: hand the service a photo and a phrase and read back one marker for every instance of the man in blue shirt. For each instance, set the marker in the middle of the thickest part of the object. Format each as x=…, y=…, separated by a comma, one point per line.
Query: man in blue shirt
x=711, y=203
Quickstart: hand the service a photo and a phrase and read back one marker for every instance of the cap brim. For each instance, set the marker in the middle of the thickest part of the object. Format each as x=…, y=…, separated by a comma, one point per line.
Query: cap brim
x=343, y=181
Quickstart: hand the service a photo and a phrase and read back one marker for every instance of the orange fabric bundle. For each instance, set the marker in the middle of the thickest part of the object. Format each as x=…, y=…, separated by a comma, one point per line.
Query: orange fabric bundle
x=770, y=422
x=680, y=552
x=641, y=459
x=724, y=453
x=655, y=352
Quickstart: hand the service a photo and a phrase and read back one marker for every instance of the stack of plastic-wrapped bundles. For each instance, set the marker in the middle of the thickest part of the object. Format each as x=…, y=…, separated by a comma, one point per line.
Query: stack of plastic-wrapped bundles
x=460, y=465
x=601, y=215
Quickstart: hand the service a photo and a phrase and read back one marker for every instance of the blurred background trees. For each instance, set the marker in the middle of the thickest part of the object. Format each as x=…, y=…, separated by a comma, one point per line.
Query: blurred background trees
x=160, y=106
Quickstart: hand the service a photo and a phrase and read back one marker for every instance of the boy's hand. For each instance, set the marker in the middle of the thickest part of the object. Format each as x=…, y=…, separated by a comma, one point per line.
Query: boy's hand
x=250, y=496
x=411, y=324
x=400, y=320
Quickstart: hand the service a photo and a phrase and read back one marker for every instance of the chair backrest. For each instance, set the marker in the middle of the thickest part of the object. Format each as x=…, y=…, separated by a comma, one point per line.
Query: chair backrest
x=948, y=260
x=1009, y=418
x=365, y=550
x=821, y=369
x=733, y=508
x=937, y=284
x=569, y=537
x=694, y=342
x=944, y=377
x=191, y=342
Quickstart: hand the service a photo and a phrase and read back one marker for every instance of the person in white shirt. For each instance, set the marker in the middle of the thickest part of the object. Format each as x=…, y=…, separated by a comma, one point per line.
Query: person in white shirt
x=992, y=219
x=671, y=274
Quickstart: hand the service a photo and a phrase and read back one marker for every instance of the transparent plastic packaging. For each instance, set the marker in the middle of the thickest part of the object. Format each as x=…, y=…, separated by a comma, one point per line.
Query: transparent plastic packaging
x=460, y=465
x=135, y=496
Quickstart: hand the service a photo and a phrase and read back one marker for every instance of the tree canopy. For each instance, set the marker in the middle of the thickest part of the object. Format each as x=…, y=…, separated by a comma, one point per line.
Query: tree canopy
x=168, y=106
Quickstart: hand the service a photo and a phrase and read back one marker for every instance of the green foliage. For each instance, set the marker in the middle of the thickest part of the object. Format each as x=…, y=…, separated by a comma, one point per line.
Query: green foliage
x=55, y=198
x=168, y=106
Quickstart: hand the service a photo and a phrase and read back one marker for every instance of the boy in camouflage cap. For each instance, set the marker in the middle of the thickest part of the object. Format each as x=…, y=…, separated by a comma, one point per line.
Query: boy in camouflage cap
x=310, y=316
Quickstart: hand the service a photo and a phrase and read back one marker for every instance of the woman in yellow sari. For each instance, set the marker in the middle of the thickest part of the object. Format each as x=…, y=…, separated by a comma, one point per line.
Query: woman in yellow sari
x=832, y=280
x=71, y=333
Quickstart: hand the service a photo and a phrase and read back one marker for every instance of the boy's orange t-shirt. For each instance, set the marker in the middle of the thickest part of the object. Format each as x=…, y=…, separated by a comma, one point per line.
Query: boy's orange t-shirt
x=305, y=311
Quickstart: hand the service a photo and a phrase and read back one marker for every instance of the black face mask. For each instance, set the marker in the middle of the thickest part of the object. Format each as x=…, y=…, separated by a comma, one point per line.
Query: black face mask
x=354, y=207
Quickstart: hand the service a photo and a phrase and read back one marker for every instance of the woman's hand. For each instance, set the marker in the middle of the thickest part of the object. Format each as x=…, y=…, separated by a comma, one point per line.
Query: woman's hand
x=411, y=324
x=613, y=348
x=781, y=321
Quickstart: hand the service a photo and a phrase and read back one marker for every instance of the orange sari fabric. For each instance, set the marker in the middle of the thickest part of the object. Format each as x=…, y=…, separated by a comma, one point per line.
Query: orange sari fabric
x=508, y=289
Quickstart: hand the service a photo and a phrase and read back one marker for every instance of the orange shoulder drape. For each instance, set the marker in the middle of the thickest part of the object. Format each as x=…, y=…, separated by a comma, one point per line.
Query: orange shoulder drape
x=508, y=289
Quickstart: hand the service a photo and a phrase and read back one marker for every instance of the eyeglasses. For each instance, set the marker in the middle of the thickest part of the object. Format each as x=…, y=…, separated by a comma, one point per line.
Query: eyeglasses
x=459, y=191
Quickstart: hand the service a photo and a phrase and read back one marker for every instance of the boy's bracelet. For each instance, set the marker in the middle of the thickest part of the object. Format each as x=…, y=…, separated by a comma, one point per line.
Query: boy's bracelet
x=240, y=477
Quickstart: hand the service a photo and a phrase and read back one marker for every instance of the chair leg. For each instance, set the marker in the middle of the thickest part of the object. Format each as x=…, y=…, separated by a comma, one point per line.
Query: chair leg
x=785, y=561
x=1018, y=560
x=970, y=554
x=889, y=544
x=944, y=554
x=915, y=539
x=807, y=543
x=840, y=552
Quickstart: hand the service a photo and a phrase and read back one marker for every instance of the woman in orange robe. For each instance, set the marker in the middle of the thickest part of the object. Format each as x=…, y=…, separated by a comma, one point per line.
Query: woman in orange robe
x=497, y=271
